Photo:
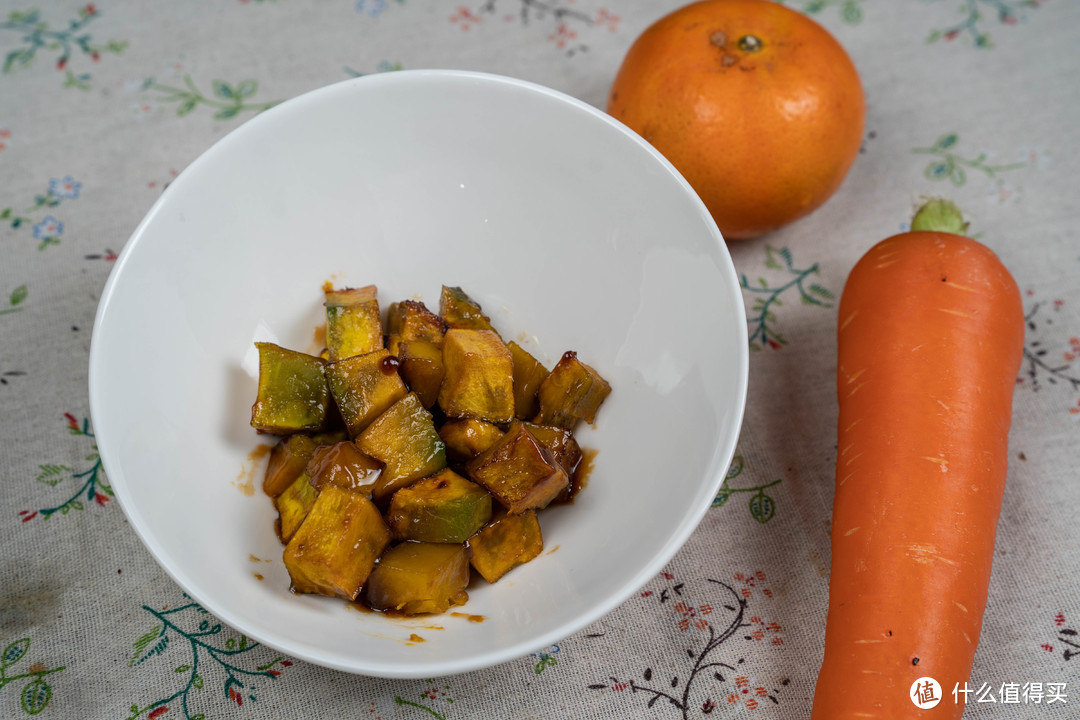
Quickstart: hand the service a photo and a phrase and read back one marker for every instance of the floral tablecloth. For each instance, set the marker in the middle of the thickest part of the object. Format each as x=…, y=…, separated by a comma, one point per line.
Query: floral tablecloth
x=102, y=104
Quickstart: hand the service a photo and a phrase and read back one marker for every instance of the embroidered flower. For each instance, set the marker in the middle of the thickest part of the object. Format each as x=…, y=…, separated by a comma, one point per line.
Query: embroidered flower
x=65, y=188
x=50, y=227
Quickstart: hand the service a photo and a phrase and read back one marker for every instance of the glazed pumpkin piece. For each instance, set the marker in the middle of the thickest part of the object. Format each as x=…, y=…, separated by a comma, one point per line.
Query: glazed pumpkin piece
x=504, y=543
x=364, y=386
x=293, y=505
x=411, y=320
x=459, y=310
x=564, y=448
x=405, y=440
x=342, y=464
x=287, y=461
x=572, y=392
x=292, y=395
x=479, y=376
x=466, y=438
x=422, y=368
x=519, y=471
x=353, y=323
x=442, y=508
x=416, y=577
x=528, y=374
x=333, y=551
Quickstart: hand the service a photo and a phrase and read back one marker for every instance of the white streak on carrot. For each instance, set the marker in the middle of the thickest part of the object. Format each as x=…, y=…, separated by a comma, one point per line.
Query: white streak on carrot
x=954, y=312
x=857, y=421
x=855, y=389
x=959, y=606
x=849, y=319
x=941, y=462
x=852, y=378
x=958, y=286
x=853, y=459
x=927, y=554
x=852, y=531
x=844, y=451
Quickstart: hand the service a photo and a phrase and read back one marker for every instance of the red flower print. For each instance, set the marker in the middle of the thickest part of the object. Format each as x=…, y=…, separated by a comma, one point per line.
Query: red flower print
x=465, y=18
x=158, y=712
x=608, y=19
x=562, y=35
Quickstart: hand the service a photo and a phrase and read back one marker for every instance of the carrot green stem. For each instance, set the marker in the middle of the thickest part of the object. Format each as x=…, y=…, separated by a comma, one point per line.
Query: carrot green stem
x=939, y=215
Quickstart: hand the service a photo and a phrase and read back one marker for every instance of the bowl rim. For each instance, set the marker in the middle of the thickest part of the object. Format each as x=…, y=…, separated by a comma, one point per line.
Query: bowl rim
x=722, y=453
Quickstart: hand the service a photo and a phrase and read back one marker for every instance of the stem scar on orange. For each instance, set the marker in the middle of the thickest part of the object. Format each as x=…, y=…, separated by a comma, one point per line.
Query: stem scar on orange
x=758, y=107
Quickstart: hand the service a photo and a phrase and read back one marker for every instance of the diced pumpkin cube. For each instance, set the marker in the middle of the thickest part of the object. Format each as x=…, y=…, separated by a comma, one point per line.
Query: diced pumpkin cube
x=364, y=386
x=293, y=506
x=292, y=395
x=479, y=376
x=416, y=577
x=564, y=447
x=504, y=543
x=287, y=461
x=519, y=471
x=334, y=550
x=466, y=438
x=422, y=369
x=353, y=323
x=528, y=374
x=342, y=464
x=405, y=440
x=572, y=392
x=443, y=508
x=459, y=310
x=411, y=320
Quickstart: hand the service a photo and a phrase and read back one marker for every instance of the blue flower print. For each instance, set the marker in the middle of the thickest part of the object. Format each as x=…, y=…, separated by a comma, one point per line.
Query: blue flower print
x=50, y=227
x=373, y=8
x=65, y=188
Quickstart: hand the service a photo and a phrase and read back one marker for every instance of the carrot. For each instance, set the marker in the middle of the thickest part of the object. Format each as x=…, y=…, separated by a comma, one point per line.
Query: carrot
x=930, y=336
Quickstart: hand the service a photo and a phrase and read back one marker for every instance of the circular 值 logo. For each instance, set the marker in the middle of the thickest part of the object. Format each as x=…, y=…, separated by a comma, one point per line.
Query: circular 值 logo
x=925, y=693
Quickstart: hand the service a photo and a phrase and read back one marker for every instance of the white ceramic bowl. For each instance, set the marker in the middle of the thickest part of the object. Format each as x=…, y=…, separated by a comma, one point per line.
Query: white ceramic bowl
x=571, y=232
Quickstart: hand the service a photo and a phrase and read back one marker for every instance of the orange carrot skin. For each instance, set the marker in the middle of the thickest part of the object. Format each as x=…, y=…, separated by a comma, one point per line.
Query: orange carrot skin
x=930, y=338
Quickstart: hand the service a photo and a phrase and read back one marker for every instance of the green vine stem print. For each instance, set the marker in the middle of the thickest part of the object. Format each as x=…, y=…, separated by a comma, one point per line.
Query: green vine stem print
x=948, y=164
x=35, y=35
x=48, y=229
x=383, y=66
x=37, y=693
x=1009, y=12
x=228, y=100
x=15, y=301
x=231, y=658
x=545, y=658
x=766, y=296
x=431, y=695
x=94, y=486
x=851, y=11
x=762, y=506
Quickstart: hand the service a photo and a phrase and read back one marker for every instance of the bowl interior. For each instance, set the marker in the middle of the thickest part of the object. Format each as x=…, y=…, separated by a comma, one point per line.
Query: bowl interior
x=570, y=231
